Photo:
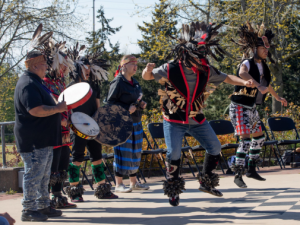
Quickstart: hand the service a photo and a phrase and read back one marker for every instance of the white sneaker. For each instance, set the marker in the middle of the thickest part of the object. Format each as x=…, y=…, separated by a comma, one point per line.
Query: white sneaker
x=139, y=186
x=123, y=189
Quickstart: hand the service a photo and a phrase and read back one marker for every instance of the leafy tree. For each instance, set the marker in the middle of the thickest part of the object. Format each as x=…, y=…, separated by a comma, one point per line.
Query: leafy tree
x=19, y=19
x=98, y=39
x=7, y=87
x=156, y=41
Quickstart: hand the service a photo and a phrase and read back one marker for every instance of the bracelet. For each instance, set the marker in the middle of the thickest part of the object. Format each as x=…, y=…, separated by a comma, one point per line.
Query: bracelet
x=258, y=86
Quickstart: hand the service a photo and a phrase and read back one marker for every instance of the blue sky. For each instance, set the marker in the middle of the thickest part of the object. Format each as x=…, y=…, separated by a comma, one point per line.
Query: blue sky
x=121, y=11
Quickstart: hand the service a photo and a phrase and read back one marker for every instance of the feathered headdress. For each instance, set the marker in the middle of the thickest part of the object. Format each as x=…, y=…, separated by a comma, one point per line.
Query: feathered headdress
x=58, y=55
x=98, y=66
x=195, y=42
x=252, y=36
x=76, y=55
x=39, y=43
x=54, y=53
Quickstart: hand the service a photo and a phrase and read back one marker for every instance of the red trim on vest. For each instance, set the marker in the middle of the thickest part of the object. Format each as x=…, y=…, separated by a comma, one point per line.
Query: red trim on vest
x=195, y=90
x=188, y=90
x=204, y=63
x=172, y=82
x=188, y=93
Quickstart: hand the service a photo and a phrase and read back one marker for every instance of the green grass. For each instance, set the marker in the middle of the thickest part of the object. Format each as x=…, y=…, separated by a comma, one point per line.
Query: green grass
x=11, y=192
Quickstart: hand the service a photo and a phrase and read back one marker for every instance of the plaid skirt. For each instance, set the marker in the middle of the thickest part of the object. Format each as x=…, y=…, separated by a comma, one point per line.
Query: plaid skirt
x=244, y=120
x=128, y=155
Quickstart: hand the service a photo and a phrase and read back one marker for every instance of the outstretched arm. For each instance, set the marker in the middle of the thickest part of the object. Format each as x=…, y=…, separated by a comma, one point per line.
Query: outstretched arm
x=147, y=72
x=231, y=79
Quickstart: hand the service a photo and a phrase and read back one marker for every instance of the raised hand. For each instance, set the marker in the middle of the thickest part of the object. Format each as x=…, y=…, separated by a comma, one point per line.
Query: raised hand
x=150, y=67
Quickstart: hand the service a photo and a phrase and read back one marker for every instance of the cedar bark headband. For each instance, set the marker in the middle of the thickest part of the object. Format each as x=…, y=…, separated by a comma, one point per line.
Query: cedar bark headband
x=34, y=61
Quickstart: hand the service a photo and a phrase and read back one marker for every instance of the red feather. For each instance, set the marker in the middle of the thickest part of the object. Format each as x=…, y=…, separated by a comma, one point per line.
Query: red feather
x=203, y=36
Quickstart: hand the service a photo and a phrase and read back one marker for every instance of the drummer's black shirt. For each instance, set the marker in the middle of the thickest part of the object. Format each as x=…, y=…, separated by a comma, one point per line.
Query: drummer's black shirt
x=90, y=107
x=34, y=132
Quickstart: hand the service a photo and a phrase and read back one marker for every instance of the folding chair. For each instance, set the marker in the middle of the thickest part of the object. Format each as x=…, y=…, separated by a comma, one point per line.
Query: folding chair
x=153, y=153
x=270, y=143
x=83, y=171
x=278, y=124
x=223, y=127
x=157, y=132
x=104, y=159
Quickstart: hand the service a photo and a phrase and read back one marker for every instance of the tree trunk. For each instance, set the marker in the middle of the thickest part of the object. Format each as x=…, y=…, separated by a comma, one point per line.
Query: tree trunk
x=244, y=6
x=277, y=85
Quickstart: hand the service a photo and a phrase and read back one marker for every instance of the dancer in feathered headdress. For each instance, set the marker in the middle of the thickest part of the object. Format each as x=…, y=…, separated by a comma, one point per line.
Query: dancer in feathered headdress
x=254, y=41
x=189, y=79
x=90, y=69
x=253, y=36
x=197, y=41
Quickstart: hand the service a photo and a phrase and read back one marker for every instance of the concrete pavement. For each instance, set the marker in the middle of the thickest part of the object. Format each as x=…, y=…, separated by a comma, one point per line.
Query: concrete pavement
x=275, y=201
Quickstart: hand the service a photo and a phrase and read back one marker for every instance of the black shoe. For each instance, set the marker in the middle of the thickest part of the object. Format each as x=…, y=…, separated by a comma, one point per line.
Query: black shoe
x=174, y=201
x=229, y=171
x=28, y=215
x=210, y=190
x=238, y=180
x=50, y=212
x=253, y=174
x=61, y=202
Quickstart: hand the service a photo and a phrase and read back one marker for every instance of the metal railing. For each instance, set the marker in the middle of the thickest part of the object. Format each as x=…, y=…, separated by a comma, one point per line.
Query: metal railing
x=3, y=124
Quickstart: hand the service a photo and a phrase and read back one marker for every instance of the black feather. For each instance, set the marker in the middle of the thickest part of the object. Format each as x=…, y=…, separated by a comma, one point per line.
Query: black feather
x=37, y=31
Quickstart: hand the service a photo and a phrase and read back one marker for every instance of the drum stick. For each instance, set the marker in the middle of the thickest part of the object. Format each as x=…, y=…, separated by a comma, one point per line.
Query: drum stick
x=87, y=124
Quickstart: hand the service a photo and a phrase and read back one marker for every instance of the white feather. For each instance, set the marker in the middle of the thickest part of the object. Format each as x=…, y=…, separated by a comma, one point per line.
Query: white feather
x=99, y=72
x=197, y=36
x=55, y=63
x=186, y=36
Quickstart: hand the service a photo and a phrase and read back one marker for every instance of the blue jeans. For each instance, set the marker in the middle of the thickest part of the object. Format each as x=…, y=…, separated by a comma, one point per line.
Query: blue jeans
x=174, y=133
x=3, y=221
x=36, y=178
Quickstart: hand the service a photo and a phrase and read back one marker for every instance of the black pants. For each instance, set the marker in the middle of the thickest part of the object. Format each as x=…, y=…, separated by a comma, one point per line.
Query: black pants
x=61, y=158
x=60, y=163
x=78, y=149
x=120, y=175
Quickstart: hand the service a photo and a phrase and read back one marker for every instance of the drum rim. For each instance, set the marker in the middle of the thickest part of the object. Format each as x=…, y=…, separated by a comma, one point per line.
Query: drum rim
x=76, y=86
x=81, y=101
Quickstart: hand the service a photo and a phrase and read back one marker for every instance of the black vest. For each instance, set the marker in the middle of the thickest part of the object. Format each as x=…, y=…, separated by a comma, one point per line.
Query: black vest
x=247, y=96
x=178, y=84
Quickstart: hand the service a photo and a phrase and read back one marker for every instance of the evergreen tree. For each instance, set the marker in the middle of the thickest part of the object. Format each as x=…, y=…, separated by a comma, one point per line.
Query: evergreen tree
x=156, y=41
x=98, y=39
